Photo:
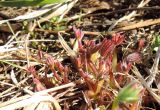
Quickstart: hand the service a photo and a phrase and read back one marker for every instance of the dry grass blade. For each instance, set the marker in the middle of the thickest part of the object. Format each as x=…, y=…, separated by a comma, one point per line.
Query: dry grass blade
x=65, y=46
x=36, y=94
x=13, y=77
x=139, y=25
x=8, y=48
x=8, y=90
x=60, y=11
x=40, y=106
x=27, y=50
x=31, y=100
x=154, y=70
x=127, y=17
x=31, y=15
x=44, y=105
x=144, y=83
x=55, y=88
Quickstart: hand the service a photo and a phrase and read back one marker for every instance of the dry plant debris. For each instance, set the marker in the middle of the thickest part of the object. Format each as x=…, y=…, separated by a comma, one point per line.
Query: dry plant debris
x=76, y=55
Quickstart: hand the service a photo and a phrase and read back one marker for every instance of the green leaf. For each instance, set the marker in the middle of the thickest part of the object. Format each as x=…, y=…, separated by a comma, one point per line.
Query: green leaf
x=128, y=94
x=156, y=43
x=21, y=3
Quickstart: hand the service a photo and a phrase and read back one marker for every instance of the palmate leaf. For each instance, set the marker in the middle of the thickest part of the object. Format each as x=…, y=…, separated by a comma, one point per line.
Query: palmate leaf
x=22, y=3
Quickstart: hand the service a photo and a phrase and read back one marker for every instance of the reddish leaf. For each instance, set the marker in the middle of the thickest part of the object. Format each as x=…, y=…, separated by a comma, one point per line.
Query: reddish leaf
x=101, y=65
x=65, y=76
x=88, y=80
x=107, y=47
x=51, y=63
x=40, y=54
x=141, y=43
x=133, y=57
x=78, y=33
x=124, y=67
x=39, y=86
x=59, y=66
x=92, y=67
x=32, y=71
x=117, y=39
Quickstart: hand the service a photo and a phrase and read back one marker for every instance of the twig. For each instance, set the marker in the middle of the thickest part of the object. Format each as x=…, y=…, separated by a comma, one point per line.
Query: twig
x=110, y=13
x=144, y=83
x=8, y=90
x=55, y=88
x=125, y=28
x=122, y=10
x=50, y=31
x=27, y=50
x=31, y=100
x=70, y=52
x=13, y=77
x=14, y=100
x=143, y=3
x=139, y=25
x=38, y=94
x=10, y=27
x=12, y=38
x=129, y=27
x=154, y=70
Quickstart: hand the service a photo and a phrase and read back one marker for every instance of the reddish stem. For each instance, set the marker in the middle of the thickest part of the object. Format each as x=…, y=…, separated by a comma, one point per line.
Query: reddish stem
x=88, y=80
x=93, y=67
x=56, y=75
